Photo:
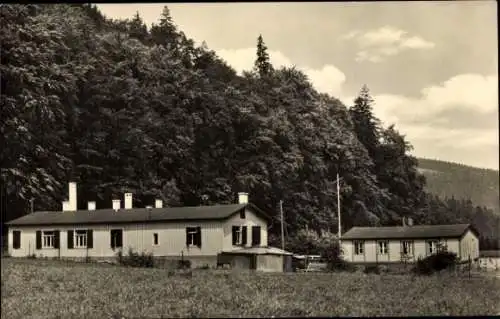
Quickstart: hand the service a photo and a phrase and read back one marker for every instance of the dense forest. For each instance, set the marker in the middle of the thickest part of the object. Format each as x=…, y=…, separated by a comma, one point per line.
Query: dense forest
x=118, y=107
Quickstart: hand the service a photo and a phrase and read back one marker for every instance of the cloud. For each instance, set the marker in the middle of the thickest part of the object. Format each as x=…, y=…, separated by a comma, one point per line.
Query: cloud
x=454, y=120
x=376, y=45
x=328, y=79
x=448, y=114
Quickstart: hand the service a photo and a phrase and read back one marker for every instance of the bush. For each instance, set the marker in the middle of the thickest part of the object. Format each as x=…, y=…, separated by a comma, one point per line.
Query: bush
x=184, y=264
x=436, y=262
x=134, y=259
x=372, y=269
x=333, y=256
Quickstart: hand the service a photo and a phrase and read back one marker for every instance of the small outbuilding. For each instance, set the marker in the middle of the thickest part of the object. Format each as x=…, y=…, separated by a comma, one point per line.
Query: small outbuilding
x=267, y=259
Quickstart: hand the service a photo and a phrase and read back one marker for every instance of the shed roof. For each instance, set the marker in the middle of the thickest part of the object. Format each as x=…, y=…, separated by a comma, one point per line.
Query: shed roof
x=410, y=232
x=258, y=251
x=134, y=215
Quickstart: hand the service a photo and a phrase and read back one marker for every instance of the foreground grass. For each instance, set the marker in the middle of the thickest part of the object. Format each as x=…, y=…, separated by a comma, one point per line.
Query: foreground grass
x=49, y=289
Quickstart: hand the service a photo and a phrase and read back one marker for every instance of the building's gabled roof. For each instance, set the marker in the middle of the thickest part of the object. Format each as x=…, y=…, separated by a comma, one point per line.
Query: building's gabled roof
x=134, y=215
x=410, y=232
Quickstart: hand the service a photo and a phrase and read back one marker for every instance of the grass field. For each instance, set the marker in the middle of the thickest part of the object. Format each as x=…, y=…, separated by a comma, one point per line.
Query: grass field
x=50, y=289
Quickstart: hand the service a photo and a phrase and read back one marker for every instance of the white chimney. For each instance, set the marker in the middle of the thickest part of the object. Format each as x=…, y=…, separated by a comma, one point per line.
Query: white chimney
x=116, y=204
x=72, y=197
x=65, y=206
x=242, y=198
x=158, y=203
x=128, y=200
x=410, y=221
x=91, y=205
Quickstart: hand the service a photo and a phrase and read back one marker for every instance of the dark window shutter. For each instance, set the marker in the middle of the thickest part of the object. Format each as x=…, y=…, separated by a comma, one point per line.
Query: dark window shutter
x=187, y=237
x=70, y=239
x=198, y=236
x=90, y=238
x=244, y=235
x=56, y=239
x=235, y=229
x=38, y=239
x=16, y=240
x=120, y=238
x=255, y=235
x=112, y=238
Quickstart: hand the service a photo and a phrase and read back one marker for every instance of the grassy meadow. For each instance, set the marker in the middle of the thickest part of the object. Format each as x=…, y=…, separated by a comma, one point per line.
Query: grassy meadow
x=49, y=289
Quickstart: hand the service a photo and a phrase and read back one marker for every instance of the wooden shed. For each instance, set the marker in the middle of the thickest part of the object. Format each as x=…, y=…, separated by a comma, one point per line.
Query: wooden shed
x=267, y=259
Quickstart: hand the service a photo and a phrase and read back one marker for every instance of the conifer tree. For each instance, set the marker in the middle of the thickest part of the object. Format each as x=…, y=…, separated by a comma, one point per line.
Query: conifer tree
x=262, y=64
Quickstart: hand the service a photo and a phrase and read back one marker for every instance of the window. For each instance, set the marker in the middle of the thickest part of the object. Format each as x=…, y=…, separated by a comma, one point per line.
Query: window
x=359, y=247
x=239, y=235
x=432, y=246
x=116, y=238
x=16, y=239
x=242, y=214
x=47, y=239
x=80, y=238
x=407, y=247
x=193, y=236
x=255, y=235
x=155, y=239
x=383, y=247
x=236, y=235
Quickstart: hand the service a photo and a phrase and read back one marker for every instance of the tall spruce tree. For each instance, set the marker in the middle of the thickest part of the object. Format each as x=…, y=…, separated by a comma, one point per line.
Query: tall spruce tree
x=366, y=125
x=262, y=64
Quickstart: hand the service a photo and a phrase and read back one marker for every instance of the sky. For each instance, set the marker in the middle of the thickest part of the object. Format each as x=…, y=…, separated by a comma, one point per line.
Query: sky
x=431, y=67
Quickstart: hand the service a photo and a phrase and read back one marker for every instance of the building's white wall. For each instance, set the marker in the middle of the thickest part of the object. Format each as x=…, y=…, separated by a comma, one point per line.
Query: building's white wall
x=251, y=219
x=453, y=245
x=172, y=240
x=370, y=251
x=216, y=236
x=270, y=263
x=419, y=248
x=348, y=250
x=394, y=251
x=469, y=246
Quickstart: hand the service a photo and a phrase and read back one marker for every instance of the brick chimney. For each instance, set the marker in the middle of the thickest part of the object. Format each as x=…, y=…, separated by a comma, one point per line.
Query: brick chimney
x=128, y=201
x=72, y=191
x=242, y=198
x=91, y=205
x=158, y=203
x=116, y=204
x=65, y=206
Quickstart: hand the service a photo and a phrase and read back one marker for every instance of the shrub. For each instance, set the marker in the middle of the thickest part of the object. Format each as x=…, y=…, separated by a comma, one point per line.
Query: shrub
x=372, y=269
x=333, y=256
x=184, y=264
x=134, y=259
x=205, y=266
x=436, y=262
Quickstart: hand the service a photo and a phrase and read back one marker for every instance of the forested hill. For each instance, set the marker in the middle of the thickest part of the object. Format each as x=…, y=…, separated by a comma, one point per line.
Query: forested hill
x=118, y=107
x=451, y=179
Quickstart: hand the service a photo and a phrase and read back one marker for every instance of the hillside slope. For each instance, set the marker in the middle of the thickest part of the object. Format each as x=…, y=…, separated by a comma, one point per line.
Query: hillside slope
x=448, y=180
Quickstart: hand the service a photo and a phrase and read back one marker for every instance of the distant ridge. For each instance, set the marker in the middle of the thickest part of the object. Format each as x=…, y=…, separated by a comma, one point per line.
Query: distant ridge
x=446, y=179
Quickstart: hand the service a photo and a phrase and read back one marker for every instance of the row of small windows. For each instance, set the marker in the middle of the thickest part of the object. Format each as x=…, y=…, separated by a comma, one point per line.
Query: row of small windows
x=406, y=247
x=84, y=238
